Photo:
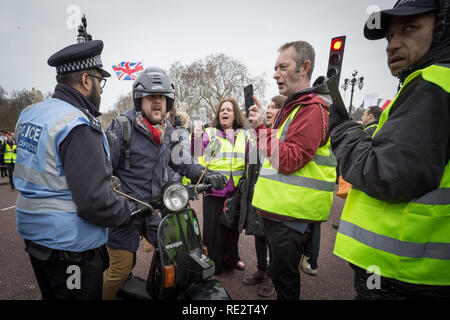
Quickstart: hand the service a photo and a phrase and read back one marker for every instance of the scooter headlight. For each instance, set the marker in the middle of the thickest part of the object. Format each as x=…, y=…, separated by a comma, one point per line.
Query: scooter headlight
x=176, y=197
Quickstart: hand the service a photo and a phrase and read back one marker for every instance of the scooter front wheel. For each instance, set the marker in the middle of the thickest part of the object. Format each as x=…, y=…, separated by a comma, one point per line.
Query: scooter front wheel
x=154, y=278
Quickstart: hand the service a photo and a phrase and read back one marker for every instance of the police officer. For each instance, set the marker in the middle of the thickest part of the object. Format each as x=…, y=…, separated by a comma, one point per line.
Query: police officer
x=63, y=175
x=396, y=219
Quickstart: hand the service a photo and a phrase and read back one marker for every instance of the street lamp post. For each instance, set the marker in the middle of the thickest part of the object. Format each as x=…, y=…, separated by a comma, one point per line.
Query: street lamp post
x=353, y=82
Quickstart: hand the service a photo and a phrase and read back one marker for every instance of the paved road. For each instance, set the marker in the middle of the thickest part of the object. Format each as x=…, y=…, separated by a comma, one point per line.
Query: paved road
x=334, y=280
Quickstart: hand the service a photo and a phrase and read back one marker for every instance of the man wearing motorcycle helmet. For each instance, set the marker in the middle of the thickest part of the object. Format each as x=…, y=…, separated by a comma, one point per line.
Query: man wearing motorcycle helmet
x=141, y=164
x=396, y=223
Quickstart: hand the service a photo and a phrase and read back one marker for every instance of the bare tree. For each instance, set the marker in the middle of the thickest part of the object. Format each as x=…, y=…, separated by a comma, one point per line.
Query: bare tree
x=124, y=103
x=10, y=108
x=205, y=82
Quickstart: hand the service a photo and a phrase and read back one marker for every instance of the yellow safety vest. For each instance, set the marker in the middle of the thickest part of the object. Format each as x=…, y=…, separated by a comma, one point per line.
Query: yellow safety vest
x=230, y=160
x=371, y=126
x=409, y=241
x=10, y=155
x=306, y=194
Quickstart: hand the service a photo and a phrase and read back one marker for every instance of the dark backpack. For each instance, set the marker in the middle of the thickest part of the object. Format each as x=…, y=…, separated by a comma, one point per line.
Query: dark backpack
x=125, y=125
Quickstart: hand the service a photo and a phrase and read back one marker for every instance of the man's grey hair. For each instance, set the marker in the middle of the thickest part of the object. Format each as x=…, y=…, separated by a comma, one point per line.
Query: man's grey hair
x=303, y=51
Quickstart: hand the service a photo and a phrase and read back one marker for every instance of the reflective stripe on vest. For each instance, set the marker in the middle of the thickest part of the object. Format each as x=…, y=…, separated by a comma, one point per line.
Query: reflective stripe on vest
x=45, y=211
x=432, y=250
x=49, y=205
x=439, y=196
x=230, y=160
x=409, y=242
x=297, y=180
x=305, y=194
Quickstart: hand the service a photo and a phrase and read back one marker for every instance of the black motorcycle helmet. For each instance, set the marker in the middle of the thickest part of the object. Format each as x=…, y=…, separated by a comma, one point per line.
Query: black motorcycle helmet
x=153, y=81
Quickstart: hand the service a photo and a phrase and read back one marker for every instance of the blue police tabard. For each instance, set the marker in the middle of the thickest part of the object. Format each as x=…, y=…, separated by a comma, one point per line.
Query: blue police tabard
x=45, y=211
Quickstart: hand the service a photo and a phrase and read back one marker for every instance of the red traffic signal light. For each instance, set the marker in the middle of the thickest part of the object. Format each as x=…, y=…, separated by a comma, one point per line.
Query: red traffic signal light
x=336, y=44
x=335, y=59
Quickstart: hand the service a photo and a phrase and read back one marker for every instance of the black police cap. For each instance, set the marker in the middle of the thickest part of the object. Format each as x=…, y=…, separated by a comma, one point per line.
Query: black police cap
x=78, y=57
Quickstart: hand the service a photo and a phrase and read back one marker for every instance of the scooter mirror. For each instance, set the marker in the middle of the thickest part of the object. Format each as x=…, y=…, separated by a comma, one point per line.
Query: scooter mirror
x=213, y=148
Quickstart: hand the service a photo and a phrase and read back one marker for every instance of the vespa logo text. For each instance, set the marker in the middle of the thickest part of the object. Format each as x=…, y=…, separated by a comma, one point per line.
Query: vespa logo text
x=174, y=245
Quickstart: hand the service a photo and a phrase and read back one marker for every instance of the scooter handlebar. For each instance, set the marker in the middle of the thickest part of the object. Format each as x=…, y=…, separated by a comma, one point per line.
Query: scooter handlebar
x=203, y=186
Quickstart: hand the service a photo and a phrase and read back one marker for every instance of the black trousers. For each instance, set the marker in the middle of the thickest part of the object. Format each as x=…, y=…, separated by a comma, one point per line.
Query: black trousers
x=286, y=246
x=3, y=168
x=261, y=253
x=70, y=276
x=10, y=167
x=222, y=242
x=312, y=247
x=392, y=289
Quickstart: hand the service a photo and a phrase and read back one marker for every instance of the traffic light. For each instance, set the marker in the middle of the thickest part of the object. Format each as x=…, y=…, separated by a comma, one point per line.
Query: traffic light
x=336, y=56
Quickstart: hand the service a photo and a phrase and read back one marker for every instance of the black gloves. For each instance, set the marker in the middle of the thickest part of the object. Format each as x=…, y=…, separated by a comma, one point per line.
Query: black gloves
x=335, y=118
x=217, y=180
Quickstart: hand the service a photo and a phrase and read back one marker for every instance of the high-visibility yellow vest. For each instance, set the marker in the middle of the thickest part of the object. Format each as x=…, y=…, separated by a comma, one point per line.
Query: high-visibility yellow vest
x=230, y=160
x=10, y=155
x=409, y=241
x=186, y=181
x=306, y=194
x=371, y=126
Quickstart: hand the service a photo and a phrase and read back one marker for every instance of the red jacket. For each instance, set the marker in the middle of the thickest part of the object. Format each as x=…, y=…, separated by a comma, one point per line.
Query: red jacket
x=307, y=132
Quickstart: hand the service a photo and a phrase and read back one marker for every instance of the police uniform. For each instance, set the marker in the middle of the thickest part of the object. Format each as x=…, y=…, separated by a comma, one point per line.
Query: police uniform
x=65, y=201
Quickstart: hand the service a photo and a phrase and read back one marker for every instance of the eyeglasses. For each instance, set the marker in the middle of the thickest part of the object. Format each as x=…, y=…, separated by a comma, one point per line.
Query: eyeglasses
x=102, y=81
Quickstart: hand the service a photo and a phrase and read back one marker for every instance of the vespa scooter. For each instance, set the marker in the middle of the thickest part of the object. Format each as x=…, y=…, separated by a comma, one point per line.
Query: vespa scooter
x=180, y=268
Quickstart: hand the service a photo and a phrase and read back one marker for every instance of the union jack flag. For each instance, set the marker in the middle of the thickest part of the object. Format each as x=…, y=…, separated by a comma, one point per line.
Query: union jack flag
x=384, y=103
x=128, y=70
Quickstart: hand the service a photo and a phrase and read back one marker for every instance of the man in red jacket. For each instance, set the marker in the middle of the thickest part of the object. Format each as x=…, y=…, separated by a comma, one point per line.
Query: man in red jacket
x=288, y=154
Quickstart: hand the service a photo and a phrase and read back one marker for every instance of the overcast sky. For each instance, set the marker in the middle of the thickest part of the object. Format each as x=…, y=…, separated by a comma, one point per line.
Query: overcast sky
x=163, y=32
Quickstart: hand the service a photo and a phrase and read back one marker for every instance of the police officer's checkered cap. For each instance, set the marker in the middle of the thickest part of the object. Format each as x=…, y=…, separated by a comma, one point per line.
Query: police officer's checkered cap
x=85, y=64
x=78, y=57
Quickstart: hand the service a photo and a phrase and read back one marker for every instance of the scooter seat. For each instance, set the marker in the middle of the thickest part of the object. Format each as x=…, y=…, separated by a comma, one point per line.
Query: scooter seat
x=133, y=289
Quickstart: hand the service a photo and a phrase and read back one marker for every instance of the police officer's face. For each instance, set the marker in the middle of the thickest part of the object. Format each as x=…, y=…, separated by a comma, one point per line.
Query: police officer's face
x=409, y=39
x=96, y=90
x=154, y=108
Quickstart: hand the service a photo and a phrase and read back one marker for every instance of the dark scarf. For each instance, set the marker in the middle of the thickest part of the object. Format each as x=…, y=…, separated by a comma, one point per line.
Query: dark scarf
x=74, y=97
